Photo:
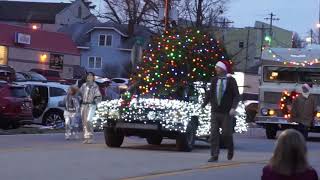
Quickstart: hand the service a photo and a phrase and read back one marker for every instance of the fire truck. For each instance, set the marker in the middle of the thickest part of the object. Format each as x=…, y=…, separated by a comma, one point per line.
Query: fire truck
x=283, y=72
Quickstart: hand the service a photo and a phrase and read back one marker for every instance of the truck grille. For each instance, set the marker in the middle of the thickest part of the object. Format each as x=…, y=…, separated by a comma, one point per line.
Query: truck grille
x=272, y=97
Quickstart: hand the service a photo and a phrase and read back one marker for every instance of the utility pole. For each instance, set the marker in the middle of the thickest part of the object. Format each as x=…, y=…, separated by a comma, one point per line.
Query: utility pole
x=247, y=50
x=311, y=36
x=224, y=26
x=271, y=19
x=318, y=25
x=167, y=8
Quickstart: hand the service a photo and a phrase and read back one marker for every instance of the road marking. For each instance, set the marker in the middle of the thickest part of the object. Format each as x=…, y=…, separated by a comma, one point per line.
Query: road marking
x=191, y=170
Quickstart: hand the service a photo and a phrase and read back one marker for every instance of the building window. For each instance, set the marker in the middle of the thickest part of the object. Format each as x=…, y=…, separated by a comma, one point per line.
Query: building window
x=3, y=55
x=241, y=44
x=102, y=40
x=95, y=62
x=109, y=40
x=98, y=63
x=105, y=40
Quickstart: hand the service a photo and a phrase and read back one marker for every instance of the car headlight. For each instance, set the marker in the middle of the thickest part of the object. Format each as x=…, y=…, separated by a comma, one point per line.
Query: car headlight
x=151, y=115
x=271, y=112
x=264, y=111
x=318, y=115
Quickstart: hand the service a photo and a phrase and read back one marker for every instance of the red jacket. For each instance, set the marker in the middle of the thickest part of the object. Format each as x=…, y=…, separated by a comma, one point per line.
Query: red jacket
x=269, y=174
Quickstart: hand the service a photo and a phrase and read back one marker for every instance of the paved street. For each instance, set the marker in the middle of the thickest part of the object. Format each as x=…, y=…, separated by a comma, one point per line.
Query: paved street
x=50, y=157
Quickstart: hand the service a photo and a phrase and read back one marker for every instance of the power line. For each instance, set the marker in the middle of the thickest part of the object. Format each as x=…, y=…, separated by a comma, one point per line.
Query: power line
x=224, y=26
x=271, y=19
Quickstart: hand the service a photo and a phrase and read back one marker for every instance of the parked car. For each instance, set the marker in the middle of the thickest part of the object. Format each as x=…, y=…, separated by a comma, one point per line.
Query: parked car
x=46, y=97
x=53, y=76
x=121, y=84
x=7, y=73
x=30, y=76
x=15, y=106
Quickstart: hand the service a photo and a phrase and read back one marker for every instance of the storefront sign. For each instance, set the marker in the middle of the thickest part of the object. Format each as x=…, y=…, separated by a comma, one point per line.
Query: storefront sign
x=56, y=61
x=21, y=38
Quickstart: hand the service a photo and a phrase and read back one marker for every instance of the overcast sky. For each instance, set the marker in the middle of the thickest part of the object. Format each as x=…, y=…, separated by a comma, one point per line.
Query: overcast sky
x=295, y=15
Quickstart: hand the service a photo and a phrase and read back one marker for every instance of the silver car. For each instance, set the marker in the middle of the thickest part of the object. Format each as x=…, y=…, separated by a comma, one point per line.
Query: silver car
x=46, y=98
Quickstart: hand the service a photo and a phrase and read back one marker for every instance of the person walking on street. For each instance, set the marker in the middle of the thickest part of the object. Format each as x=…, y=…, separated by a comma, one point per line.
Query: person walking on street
x=90, y=97
x=71, y=113
x=289, y=159
x=304, y=109
x=223, y=96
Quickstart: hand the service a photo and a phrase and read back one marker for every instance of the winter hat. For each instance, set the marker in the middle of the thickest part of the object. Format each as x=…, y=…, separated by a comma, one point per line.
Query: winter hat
x=308, y=86
x=225, y=65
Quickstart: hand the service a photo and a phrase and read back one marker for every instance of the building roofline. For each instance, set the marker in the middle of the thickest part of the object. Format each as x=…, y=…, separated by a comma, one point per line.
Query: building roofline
x=42, y=50
x=83, y=47
x=124, y=49
x=108, y=28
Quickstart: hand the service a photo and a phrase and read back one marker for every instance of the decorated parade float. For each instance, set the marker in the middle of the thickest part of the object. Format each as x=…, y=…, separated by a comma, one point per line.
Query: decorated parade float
x=166, y=93
x=283, y=73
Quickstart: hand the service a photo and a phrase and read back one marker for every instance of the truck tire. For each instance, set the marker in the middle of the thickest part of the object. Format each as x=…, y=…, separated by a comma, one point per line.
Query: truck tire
x=185, y=141
x=271, y=131
x=154, y=140
x=112, y=138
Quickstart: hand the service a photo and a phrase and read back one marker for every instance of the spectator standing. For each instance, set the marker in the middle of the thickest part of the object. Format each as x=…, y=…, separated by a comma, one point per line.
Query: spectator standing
x=289, y=159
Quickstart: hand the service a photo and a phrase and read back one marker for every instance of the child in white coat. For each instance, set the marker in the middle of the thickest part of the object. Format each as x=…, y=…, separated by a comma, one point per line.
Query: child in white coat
x=72, y=113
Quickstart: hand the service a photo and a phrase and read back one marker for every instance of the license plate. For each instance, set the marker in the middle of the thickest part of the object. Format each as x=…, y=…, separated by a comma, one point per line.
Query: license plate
x=137, y=126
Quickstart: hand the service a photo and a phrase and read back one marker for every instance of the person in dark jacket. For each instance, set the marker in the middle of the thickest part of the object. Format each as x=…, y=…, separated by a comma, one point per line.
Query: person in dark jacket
x=223, y=96
x=289, y=159
x=304, y=109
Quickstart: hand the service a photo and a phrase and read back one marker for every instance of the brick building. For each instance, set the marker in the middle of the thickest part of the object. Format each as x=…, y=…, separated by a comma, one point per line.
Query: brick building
x=24, y=49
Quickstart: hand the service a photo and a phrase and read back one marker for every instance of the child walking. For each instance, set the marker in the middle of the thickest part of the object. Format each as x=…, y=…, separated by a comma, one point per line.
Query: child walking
x=72, y=114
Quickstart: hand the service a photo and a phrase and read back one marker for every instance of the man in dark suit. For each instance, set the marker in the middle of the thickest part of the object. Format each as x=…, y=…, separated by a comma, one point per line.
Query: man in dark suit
x=223, y=96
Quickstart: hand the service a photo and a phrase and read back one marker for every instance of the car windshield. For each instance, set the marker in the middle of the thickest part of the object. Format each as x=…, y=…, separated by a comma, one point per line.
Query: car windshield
x=18, y=92
x=118, y=80
x=37, y=77
x=46, y=72
x=291, y=74
x=20, y=77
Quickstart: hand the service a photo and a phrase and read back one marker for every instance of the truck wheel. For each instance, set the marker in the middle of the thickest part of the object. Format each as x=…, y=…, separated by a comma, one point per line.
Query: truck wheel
x=185, y=141
x=154, y=140
x=112, y=138
x=271, y=132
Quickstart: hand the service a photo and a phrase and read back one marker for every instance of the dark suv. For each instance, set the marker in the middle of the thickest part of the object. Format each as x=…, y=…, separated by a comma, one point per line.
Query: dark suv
x=15, y=106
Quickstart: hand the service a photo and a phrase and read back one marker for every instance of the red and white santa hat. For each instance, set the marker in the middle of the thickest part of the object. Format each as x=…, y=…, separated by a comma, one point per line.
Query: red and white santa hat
x=308, y=86
x=225, y=65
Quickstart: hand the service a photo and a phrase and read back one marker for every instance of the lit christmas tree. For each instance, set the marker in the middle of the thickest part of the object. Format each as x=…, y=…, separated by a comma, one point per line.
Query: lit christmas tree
x=176, y=59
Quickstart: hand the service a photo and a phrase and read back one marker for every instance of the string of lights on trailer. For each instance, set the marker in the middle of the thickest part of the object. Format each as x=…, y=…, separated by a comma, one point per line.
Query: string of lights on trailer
x=168, y=112
x=285, y=61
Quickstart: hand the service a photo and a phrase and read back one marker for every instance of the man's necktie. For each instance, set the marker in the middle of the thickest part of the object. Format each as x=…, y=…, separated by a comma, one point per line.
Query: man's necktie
x=220, y=91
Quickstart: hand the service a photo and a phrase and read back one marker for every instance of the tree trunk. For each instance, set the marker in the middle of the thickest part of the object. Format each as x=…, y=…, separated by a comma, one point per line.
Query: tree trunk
x=199, y=13
x=130, y=27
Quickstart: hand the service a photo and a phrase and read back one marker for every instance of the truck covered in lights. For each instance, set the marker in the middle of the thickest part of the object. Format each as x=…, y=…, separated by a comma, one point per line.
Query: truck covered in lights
x=283, y=72
x=155, y=119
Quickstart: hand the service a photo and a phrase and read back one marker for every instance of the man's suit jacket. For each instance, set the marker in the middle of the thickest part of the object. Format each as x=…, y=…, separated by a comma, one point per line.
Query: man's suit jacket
x=230, y=98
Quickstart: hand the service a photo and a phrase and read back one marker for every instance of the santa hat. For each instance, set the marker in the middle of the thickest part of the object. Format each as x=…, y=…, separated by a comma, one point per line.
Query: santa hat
x=225, y=65
x=308, y=86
